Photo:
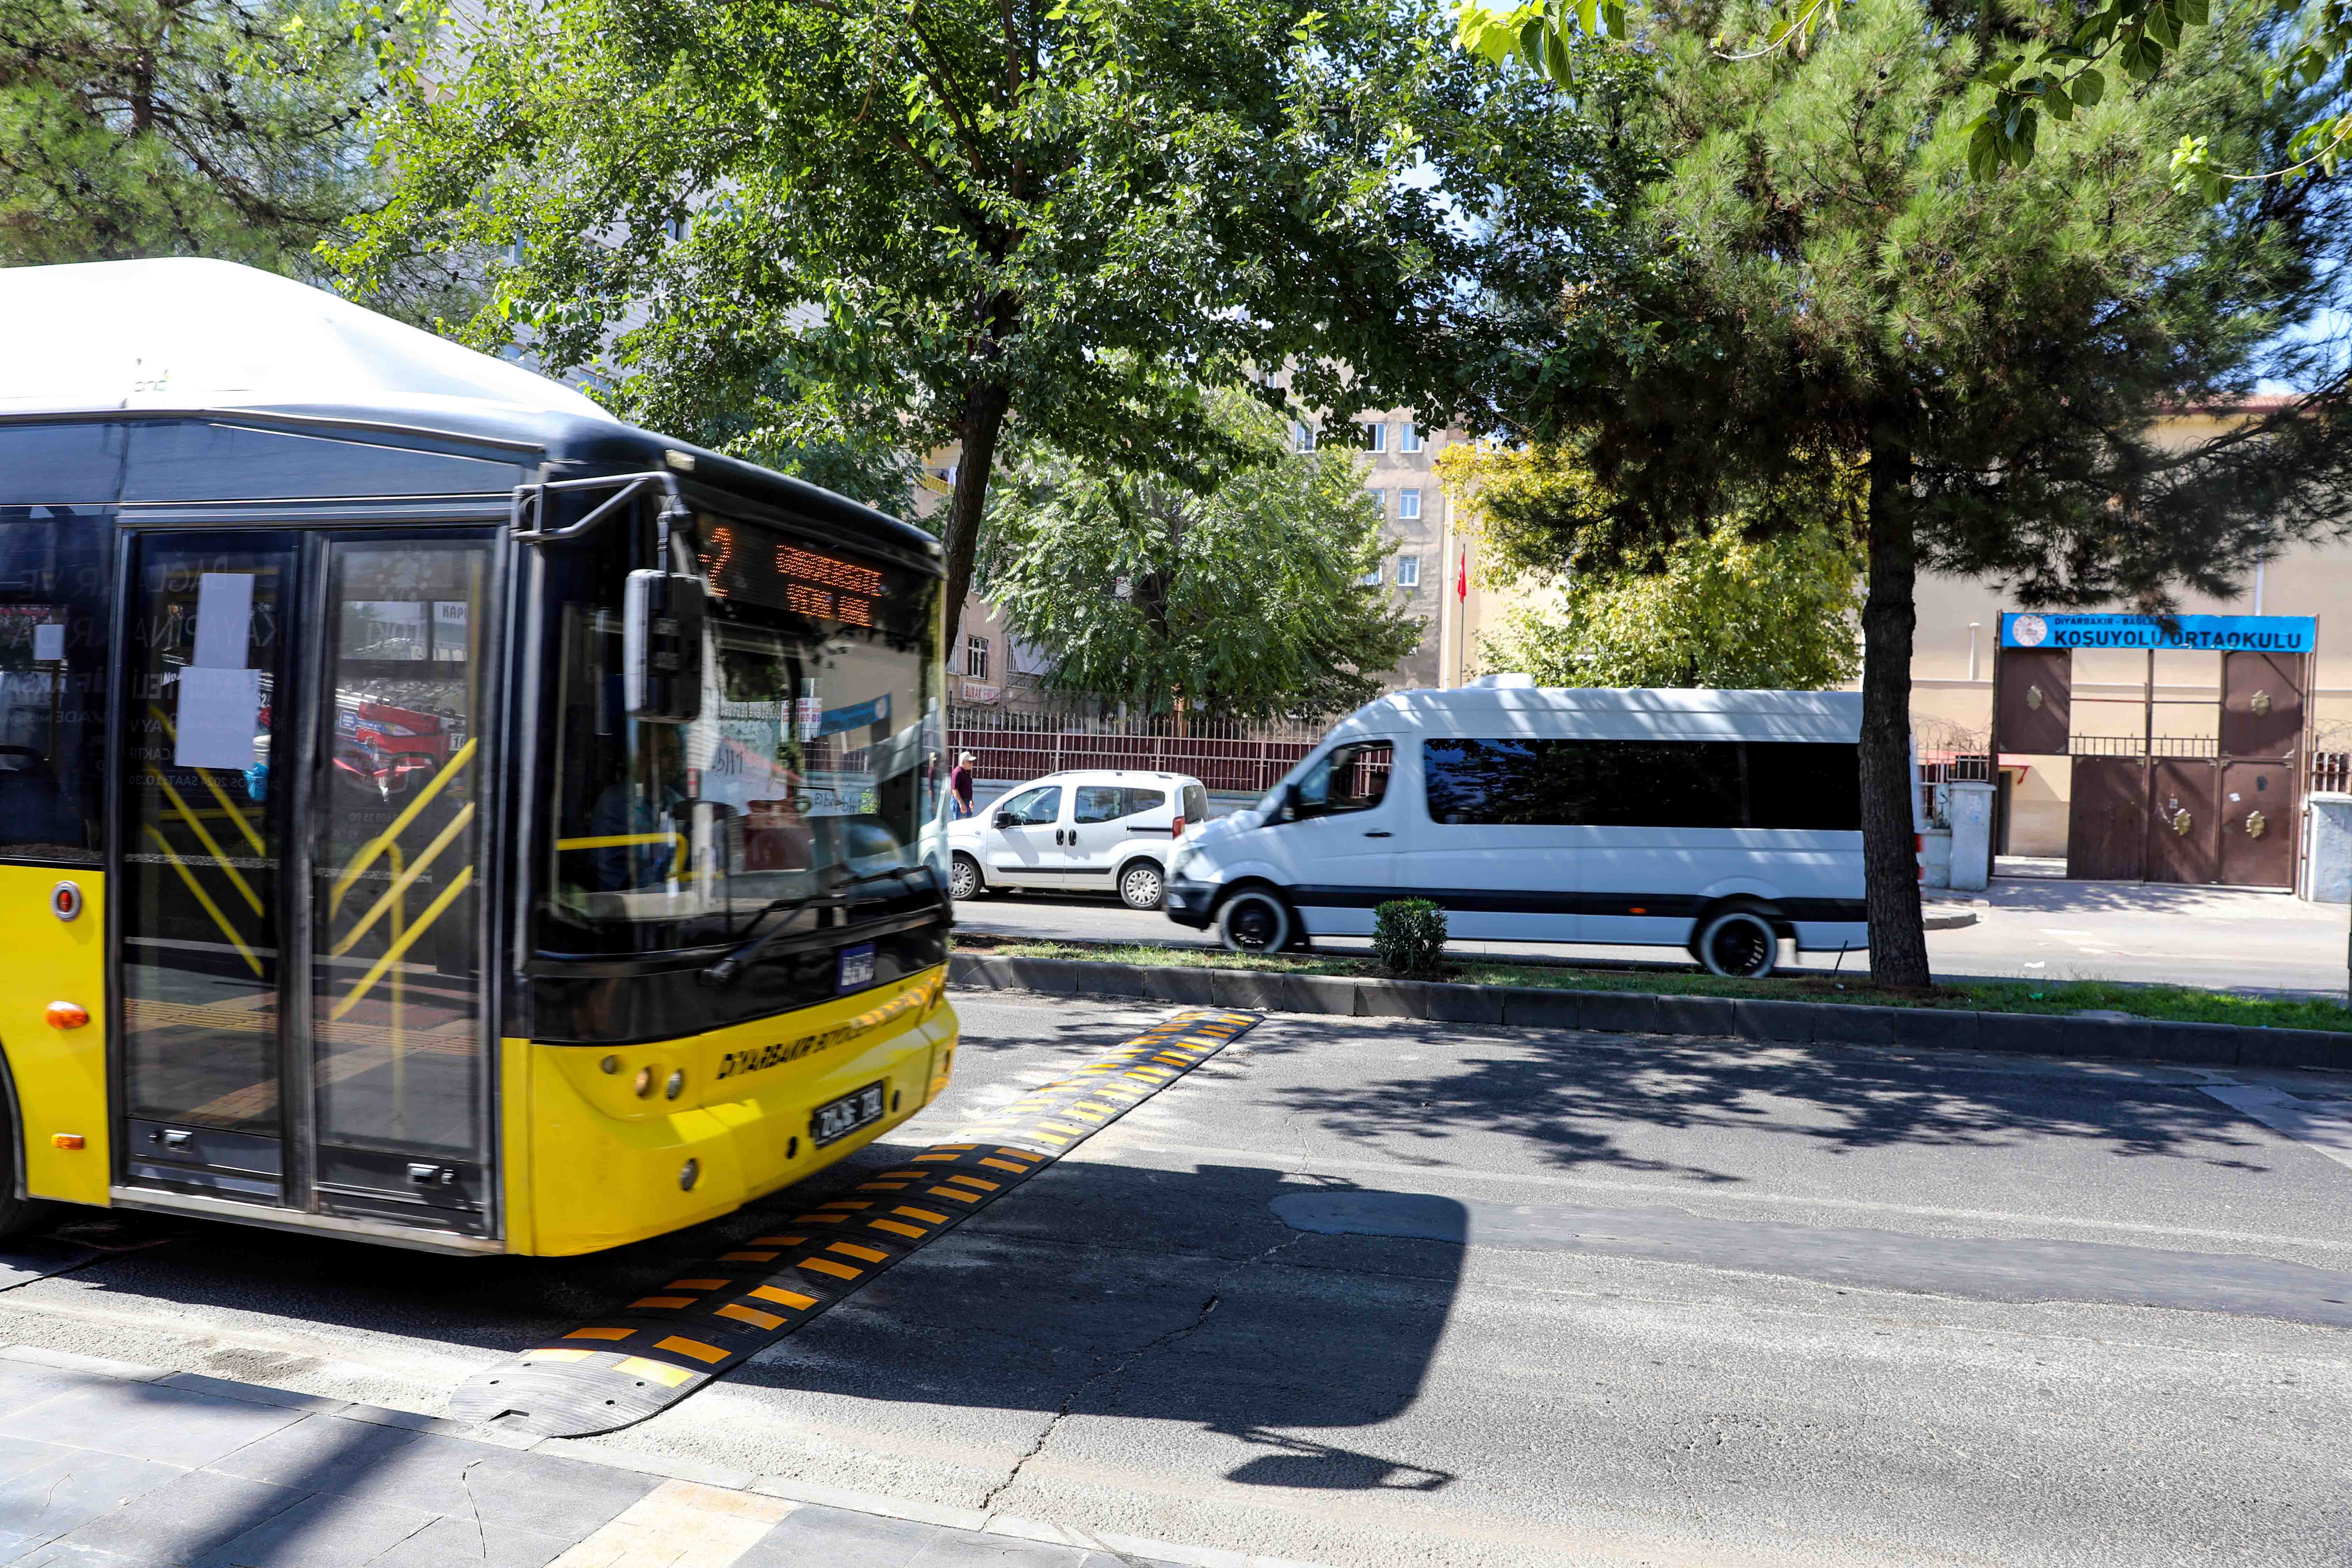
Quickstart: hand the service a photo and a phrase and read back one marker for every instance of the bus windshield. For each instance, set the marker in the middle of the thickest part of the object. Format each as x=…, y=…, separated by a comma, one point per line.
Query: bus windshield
x=805, y=791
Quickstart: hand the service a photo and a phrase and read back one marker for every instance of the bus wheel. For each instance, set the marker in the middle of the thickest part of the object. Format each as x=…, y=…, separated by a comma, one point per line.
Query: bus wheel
x=1139, y=886
x=1254, y=921
x=963, y=879
x=1738, y=941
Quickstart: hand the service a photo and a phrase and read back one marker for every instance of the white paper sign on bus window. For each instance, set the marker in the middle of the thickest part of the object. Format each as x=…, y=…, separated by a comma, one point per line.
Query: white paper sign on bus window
x=220, y=712
x=220, y=699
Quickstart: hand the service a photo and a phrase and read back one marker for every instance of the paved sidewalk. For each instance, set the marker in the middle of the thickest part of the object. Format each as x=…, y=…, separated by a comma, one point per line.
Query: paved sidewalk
x=112, y=1465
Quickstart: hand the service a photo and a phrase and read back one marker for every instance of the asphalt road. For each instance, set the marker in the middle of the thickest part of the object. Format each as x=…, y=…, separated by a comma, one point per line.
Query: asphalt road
x=2026, y=928
x=1373, y=1292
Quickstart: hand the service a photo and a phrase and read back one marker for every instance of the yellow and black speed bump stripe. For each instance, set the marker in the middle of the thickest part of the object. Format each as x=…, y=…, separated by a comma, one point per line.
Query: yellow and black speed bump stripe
x=653, y=1350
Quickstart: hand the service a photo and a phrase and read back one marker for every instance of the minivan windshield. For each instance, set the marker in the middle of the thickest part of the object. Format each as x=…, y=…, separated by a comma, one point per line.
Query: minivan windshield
x=805, y=791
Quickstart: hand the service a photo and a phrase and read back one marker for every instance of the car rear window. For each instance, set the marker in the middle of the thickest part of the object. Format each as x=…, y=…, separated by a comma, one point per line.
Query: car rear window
x=1196, y=804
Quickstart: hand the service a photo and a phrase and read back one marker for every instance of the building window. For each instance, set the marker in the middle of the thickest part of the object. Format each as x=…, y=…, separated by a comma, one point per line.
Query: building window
x=975, y=657
x=1302, y=435
x=1408, y=503
x=1375, y=437
x=1371, y=579
x=1408, y=436
x=1379, y=501
x=1408, y=571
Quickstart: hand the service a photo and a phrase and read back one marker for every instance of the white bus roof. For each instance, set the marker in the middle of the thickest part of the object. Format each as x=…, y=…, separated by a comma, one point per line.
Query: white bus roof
x=1620, y=712
x=183, y=333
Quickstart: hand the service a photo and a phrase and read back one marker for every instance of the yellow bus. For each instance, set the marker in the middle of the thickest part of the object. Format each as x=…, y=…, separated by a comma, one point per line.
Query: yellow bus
x=431, y=811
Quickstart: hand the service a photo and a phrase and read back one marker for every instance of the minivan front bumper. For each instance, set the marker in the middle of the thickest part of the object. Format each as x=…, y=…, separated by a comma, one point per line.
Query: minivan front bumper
x=1192, y=904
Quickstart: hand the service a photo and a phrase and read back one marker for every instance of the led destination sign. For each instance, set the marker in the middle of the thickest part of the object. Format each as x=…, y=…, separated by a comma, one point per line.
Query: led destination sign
x=2212, y=634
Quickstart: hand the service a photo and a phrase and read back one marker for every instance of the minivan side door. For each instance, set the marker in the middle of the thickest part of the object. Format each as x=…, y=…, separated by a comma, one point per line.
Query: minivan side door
x=1021, y=842
x=1107, y=821
x=1341, y=844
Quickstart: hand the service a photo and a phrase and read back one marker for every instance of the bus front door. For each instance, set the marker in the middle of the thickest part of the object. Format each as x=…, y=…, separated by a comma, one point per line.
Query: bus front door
x=302, y=923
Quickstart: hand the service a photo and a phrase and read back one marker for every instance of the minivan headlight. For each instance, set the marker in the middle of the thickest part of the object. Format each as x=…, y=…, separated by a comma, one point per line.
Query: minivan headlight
x=1177, y=856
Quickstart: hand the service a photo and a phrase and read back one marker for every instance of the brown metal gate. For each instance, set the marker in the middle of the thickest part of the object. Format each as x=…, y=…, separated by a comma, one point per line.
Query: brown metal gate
x=2182, y=843
x=2258, y=812
x=2106, y=821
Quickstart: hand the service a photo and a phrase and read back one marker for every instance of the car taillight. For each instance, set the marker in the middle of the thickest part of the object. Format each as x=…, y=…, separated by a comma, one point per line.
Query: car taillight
x=1177, y=830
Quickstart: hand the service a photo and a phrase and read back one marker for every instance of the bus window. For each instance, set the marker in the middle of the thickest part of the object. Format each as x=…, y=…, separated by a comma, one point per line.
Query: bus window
x=803, y=788
x=53, y=629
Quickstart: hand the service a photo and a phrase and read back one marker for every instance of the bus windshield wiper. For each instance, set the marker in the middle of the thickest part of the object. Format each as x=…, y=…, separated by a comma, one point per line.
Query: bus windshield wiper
x=722, y=971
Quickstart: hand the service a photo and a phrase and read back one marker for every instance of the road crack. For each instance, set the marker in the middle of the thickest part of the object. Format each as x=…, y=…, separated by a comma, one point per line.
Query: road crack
x=1118, y=1370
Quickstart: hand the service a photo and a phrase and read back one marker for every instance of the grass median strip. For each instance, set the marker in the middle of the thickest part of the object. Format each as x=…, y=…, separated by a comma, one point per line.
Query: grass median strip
x=2167, y=1004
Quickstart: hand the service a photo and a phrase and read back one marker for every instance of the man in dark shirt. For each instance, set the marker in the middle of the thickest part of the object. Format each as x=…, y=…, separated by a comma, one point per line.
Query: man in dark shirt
x=959, y=784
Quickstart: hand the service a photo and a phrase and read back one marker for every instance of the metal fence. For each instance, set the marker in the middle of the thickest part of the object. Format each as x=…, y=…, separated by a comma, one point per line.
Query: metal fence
x=2331, y=771
x=1222, y=753
x=1938, y=771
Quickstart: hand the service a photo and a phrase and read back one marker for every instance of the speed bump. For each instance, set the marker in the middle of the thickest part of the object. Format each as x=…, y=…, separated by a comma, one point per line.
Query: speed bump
x=652, y=1351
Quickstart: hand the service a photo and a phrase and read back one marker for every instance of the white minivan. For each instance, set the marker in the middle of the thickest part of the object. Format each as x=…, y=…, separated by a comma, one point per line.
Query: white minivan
x=1099, y=829
x=1717, y=822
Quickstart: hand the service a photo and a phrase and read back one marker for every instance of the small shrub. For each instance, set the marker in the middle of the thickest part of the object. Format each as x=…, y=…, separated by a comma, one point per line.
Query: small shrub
x=1409, y=937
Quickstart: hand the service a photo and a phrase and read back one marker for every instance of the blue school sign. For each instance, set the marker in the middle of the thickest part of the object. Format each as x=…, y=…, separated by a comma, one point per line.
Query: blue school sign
x=2211, y=634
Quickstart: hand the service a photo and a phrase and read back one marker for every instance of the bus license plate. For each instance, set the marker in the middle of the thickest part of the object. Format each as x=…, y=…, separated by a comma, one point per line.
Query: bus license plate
x=840, y=1118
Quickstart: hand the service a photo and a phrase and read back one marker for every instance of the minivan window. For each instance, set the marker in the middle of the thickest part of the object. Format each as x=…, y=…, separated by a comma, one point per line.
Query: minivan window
x=1108, y=803
x=1348, y=778
x=1035, y=807
x=1643, y=783
x=1196, y=804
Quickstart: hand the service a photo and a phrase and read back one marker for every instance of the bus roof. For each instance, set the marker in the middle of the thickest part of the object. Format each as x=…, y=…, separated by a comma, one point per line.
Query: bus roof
x=183, y=335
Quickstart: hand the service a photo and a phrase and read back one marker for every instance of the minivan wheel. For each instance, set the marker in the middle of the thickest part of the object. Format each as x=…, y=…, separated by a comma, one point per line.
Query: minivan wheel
x=1254, y=922
x=1139, y=886
x=1740, y=942
x=963, y=878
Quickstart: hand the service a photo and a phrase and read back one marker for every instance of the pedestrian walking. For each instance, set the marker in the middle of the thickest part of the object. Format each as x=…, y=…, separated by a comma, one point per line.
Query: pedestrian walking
x=959, y=784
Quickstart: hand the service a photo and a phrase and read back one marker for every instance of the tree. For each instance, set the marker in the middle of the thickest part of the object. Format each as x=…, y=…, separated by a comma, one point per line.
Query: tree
x=1715, y=607
x=929, y=222
x=2063, y=65
x=1818, y=273
x=223, y=128
x=1246, y=596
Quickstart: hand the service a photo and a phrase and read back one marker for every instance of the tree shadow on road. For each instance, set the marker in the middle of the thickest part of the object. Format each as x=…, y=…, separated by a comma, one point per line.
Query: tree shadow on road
x=1583, y=1099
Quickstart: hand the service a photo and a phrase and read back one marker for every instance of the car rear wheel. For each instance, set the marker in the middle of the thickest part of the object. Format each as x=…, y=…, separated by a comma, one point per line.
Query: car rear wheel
x=1139, y=886
x=963, y=879
x=1255, y=921
x=1738, y=943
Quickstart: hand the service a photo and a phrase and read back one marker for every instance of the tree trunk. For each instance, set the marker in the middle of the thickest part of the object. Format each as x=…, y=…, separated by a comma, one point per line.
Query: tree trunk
x=983, y=421
x=1890, y=866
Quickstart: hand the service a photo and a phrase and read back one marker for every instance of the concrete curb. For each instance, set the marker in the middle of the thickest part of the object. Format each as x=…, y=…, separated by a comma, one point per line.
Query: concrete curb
x=1630, y=1013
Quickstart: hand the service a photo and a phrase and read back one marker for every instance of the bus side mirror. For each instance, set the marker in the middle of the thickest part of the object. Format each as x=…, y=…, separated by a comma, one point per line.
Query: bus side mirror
x=1294, y=806
x=661, y=646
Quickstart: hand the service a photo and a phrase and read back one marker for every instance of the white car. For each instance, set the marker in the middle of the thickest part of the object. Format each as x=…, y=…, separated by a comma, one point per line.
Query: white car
x=1097, y=829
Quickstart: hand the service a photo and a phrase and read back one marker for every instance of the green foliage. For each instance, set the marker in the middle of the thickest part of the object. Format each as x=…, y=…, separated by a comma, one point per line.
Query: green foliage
x=2052, y=62
x=224, y=128
x=1724, y=611
x=1409, y=937
x=914, y=222
x=1767, y=598
x=1243, y=595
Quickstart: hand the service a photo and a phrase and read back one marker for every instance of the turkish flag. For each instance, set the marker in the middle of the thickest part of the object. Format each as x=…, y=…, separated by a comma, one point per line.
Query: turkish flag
x=1461, y=575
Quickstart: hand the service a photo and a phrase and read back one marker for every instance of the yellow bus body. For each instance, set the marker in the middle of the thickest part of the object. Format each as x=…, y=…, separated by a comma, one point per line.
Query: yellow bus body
x=590, y=1164
x=59, y=1074
x=587, y=1162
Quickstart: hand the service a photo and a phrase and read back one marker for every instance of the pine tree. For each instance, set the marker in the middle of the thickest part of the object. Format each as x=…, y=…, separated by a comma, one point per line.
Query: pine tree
x=1817, y=272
